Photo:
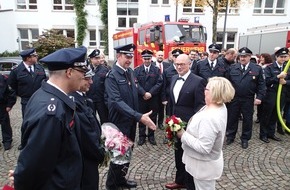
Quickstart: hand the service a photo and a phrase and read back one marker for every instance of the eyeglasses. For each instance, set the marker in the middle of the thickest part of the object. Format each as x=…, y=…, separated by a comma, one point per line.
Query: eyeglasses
x=80, y=70
x=206, y=89
x=179, y=64
x=147, y=59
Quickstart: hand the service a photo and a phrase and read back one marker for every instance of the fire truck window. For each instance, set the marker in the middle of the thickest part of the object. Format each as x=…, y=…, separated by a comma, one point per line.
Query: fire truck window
x=142, y=37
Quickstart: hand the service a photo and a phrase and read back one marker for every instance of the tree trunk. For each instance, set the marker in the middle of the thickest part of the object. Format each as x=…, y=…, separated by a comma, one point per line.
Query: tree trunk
x=214, y=21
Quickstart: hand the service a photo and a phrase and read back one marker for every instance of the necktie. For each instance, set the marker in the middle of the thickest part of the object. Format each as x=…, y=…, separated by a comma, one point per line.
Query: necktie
x=180, y=78
x=211, y=65
x=243, y=68
x=147, y=70
x=30, y=70
x=128, y=77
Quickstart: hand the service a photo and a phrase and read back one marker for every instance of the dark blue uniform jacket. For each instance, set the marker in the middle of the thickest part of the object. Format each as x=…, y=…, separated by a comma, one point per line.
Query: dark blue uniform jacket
x=93, y=153
x=51, y=157
x=248, y=84
x=122, y=99
x=24, y=83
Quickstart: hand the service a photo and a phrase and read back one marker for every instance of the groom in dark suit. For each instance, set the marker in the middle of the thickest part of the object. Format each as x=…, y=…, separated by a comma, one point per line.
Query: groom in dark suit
x=186, y=98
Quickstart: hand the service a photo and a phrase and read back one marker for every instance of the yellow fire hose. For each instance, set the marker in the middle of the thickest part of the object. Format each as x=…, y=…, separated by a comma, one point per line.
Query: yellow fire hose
x=278, y=100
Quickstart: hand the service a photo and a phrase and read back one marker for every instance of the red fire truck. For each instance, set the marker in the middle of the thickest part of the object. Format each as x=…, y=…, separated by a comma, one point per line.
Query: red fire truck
x=164, y=36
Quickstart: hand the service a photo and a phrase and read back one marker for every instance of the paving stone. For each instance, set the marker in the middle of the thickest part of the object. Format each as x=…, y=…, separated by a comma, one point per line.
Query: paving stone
x=261, y=166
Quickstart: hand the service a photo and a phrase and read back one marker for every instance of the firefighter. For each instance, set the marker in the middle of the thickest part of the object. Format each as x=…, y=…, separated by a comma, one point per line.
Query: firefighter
x=7, y=100
x=212, y=66
x=149, y=85
x=122, y=98
x=97, y=89
x=26, y=78
x=248, y=81
x=274, y=76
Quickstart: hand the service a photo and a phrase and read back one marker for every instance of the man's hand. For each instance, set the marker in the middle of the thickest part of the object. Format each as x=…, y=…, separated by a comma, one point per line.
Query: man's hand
x=147, y=96
x=8, y=109
x=164, y=103
x=282, y=81
x=257, y=102
x=282, y=75
x=145, y=119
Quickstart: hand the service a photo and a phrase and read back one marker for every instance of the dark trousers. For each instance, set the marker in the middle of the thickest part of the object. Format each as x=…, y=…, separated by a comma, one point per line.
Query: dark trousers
x=23, y=106
x=269, y=117
x=146, y=106
x=244, y=106
x=160, y=112
x=5, y=125
x=103, y=112
x=116, y=175
x=182, y=177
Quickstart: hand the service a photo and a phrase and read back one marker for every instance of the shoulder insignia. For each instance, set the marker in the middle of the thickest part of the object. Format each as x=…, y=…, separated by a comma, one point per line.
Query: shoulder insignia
x=51, y=107
x=108, y=73
x=14, y=67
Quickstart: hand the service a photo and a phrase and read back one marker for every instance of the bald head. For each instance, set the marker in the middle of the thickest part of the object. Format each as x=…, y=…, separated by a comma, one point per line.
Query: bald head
x=182, y=64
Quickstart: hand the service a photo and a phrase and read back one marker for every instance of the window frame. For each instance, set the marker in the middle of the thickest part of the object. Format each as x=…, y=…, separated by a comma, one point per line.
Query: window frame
x=30, y=37
x=262, y=9
x=192, y=8
x=228, y=43
x=28, y=5
x=125, y=19
x=64, y=6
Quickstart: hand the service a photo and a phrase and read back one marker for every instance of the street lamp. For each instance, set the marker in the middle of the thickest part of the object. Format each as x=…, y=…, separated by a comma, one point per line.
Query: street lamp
x=225, y=24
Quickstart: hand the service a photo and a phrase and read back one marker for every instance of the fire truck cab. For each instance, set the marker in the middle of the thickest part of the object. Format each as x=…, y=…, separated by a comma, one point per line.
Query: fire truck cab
x=164, y=36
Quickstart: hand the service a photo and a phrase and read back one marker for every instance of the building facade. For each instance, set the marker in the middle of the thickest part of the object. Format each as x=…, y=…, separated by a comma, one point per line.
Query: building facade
x=22, y=21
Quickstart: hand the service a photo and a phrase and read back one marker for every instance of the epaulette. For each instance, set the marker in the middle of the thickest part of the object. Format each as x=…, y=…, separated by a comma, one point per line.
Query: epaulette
x=51, y=106
x=108, y=73
x=14, y=67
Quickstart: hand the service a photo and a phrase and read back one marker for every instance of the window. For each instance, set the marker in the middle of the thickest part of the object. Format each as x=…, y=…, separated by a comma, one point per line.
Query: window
x=127, y=12
x=192, y=7
x=67, y=32
x=92, y=36
x=269, y=6
x=229, y=39
x=27, y=36
x=154, y=2
x=165, y=2
x=91, y=1
x=27, y=4
x=63, y=5
x=102, y=38
x=233, y=7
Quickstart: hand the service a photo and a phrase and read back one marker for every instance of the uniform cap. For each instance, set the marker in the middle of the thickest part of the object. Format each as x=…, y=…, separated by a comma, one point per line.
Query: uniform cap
x=95, y=53
x=282, y=51
x=126, y=49
x=146, y=53
x=245, y=51
x=177, y=52
x=215, y=47
x=66, y=58
x=90, y=72
x=28, y=52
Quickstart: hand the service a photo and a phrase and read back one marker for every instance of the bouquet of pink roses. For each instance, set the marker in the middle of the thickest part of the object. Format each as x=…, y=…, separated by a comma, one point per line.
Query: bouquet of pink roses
x=118, y=146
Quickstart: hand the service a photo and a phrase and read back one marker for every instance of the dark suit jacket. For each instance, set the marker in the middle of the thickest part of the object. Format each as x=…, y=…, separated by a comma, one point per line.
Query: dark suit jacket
x=190, y=99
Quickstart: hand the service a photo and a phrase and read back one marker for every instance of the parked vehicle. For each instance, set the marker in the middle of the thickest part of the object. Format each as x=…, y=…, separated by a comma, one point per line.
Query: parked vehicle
x=264, y=39
x=6, y=63
x=164, y=36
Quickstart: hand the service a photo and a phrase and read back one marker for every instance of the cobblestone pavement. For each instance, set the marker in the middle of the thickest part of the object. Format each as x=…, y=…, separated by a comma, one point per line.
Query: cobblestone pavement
x=261, y=166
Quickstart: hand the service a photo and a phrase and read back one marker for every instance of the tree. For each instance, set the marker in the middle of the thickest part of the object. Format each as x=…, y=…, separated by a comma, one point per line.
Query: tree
x=50, y=41
x=216, y=6
x=81, y=20
x=104, y=18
